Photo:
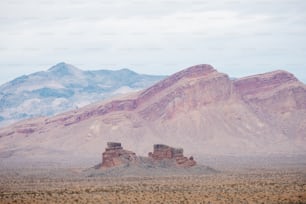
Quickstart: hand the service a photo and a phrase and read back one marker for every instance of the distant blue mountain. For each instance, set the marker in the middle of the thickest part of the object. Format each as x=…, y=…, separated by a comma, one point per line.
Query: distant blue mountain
x=64, y=87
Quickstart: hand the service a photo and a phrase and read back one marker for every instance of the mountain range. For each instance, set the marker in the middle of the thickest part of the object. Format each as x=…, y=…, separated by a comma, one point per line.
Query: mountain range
x=64, y=87
x=198, y=108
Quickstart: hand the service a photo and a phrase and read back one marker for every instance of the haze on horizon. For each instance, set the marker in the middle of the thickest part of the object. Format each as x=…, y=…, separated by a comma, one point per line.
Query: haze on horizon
x=153, y=37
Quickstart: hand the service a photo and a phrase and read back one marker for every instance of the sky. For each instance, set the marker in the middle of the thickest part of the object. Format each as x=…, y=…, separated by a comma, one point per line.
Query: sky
x=239, y=38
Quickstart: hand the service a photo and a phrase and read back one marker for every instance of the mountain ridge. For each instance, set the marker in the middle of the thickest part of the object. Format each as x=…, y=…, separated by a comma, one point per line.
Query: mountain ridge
x=198, y=108
x=64, y=87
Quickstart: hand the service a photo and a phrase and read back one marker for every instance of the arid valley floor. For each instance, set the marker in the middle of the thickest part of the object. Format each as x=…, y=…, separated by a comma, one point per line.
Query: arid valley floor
x=283, y=183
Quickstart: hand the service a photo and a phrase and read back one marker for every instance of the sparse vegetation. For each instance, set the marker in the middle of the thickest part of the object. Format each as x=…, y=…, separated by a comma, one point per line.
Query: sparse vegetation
x=253, y=187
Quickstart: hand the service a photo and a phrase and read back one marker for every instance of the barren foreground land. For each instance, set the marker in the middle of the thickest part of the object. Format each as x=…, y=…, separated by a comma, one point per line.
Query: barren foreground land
x=71, y=186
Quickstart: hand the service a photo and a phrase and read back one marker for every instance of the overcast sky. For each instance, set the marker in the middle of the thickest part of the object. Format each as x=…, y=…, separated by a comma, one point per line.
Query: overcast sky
x=155, y=37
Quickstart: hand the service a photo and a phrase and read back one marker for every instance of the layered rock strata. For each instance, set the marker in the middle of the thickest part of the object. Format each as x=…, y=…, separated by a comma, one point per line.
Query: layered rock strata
x=208, y=112
x=115, y=155
x=162, y=152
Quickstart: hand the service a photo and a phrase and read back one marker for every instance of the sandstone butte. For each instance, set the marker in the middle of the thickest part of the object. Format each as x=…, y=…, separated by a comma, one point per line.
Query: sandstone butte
x=115, y=155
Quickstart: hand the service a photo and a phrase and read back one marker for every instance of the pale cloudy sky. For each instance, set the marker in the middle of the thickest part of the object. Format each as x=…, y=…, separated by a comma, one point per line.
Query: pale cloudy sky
x=153, y=36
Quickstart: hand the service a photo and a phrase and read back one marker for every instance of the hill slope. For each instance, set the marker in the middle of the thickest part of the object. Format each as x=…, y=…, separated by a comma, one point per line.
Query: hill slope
x=198, y=108
x=64, y=87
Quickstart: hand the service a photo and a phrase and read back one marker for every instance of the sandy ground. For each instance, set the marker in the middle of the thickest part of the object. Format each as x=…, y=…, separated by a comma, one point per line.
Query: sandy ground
x=73, y=186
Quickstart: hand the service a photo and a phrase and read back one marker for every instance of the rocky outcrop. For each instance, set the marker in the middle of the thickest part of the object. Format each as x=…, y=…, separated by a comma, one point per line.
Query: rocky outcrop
x=164, y=152
x=115, y=155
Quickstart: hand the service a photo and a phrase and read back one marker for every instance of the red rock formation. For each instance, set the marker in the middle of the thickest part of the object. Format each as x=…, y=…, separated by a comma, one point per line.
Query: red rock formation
x=115, y=155
x=162, y=152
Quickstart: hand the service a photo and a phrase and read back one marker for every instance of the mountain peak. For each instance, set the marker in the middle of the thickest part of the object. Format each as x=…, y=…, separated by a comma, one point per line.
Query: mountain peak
x=127, y=71
x=191, y=72
x=63, y=68
x=280, y=75
x=196, y=70
x=264, y=82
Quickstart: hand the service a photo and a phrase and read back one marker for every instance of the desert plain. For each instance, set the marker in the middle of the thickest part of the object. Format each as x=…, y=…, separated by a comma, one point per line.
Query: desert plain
x=278, y=180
